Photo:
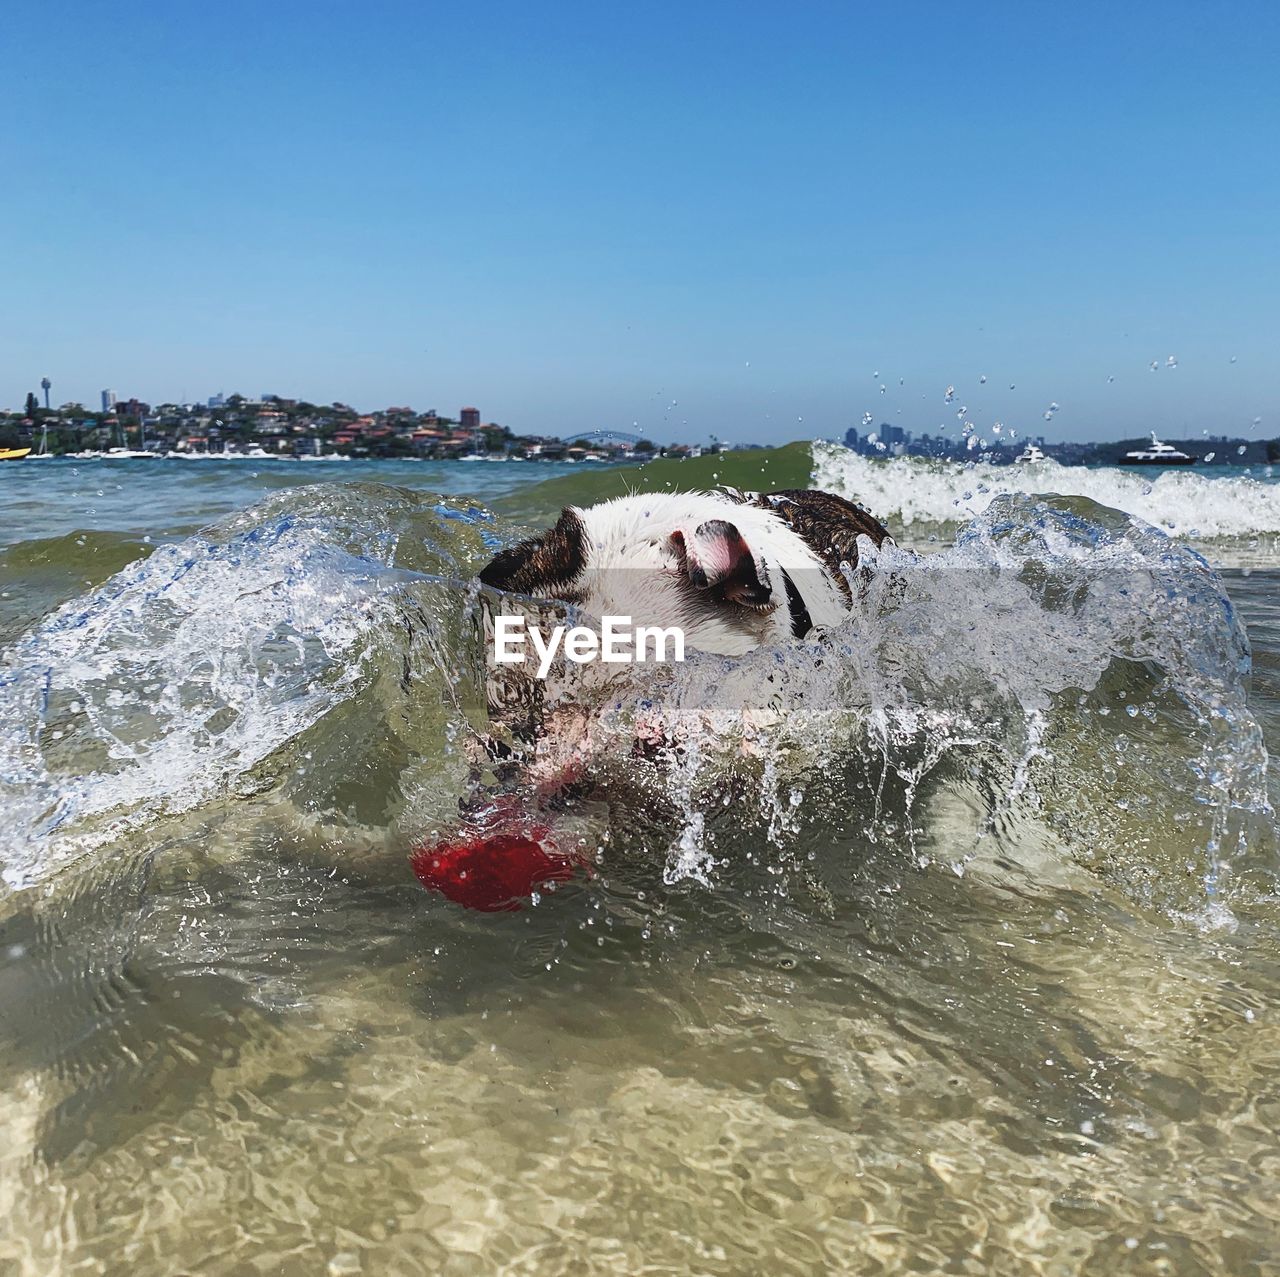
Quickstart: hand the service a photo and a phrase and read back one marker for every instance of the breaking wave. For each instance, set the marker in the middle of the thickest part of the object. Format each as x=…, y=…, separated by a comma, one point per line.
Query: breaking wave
x=915, y=492
x=1064, y=681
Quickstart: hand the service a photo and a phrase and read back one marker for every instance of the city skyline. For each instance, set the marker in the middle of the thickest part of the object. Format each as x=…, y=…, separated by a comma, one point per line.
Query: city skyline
x=729, y=221
x=955, y=418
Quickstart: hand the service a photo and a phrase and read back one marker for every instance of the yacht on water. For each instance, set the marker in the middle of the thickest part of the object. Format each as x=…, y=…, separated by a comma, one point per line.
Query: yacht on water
x=42, y=453
x=1158, y=454
x=120, y=452
x=316, y=455
x=1030, y=455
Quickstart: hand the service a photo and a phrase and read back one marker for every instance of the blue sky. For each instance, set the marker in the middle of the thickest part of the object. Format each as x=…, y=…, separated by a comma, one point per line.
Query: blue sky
x=729, y=218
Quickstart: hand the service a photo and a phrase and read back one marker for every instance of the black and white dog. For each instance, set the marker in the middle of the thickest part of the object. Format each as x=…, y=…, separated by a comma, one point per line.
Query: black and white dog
x=733, y=570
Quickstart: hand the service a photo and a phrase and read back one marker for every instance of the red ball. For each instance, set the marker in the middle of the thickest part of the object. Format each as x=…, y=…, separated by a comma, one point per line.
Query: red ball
x=491, y=872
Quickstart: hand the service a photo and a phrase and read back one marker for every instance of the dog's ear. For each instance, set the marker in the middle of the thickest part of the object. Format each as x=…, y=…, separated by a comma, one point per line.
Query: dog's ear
x=716, y=556
x=829, y=525
x=545, y=566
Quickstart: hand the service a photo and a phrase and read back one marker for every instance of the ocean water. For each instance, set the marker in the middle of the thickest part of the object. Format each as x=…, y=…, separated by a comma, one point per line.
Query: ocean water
x=963, y=957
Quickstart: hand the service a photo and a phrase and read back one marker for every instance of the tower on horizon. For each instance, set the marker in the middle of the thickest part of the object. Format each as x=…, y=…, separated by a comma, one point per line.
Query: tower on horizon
x=469, y=418
x=45, y=383
x=108, y=400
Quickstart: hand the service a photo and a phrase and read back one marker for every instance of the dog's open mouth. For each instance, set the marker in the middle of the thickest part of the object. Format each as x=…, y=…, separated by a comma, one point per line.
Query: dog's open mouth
x=717, y=559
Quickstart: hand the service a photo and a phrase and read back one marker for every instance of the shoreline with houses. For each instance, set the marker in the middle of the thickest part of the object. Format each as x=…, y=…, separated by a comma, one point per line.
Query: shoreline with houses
x=277, y=428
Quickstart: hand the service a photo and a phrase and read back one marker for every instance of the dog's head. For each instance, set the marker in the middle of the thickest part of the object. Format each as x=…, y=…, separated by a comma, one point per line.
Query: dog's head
x=732, y=574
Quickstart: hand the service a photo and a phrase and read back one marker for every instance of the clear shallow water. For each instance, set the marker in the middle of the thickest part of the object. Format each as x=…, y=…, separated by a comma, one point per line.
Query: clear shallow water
x=998, y=994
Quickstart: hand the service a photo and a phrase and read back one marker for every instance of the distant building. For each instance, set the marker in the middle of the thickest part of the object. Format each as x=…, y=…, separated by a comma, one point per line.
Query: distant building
x=469, y=419
x=108, y=400
x=217, y=401
x=851, y=438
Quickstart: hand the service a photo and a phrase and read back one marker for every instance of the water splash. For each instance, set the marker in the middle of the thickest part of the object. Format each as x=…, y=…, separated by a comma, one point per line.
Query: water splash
x=913, y=491
x=1060, y=659
x=1061, y=669
x=177, y=680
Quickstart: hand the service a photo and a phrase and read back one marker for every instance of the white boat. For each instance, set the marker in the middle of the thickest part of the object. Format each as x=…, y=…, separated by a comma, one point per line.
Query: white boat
x=316, y=455
x=1030, y=455
x=127, y=454
x=1158, y=454
x=256, y=453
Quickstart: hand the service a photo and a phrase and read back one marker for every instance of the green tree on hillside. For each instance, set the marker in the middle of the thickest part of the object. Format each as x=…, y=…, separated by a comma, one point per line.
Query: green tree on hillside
x=494, y=438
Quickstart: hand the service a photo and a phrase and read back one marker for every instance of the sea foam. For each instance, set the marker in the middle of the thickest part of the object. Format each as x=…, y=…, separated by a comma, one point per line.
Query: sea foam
x=912, y=491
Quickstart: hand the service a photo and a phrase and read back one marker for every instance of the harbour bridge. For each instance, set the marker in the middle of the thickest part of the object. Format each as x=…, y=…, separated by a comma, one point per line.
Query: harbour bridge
x=603, y=436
